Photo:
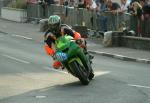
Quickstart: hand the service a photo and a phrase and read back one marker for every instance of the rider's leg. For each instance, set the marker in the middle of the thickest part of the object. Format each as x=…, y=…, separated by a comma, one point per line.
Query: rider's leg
x=83, y=44
x=50, y=52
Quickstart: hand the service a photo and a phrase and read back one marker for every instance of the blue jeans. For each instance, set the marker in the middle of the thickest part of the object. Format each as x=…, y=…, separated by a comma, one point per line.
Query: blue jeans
x=101, y=23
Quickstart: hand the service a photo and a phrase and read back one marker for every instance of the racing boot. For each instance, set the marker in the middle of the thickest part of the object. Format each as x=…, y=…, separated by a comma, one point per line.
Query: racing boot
x=57, y=65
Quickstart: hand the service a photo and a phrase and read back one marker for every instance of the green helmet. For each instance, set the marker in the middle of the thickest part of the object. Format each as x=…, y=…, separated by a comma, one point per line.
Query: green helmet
x=54, y=19
x=54, y=22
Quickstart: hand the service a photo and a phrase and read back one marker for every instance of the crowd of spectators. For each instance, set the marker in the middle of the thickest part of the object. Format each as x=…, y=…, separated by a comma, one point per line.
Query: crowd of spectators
x=137, y=8
x=102, y=5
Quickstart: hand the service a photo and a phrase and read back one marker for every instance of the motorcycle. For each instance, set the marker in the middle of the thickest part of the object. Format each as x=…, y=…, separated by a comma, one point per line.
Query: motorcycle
x=74, y=59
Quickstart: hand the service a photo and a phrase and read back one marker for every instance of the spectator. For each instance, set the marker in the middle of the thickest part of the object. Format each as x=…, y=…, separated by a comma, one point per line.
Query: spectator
x=132, y=1
x=124, y=5
x=145, y=18
x=66, y=3
x=43, y=7
x=91, y=5
x=101, y=19
x=86, y=2
x=137, y=9
x=59, y=2
x=40, y=2
x=49, y=2
x=72, y=3
x=79, y=3
x=113, y=6
x=101, y=5
x=146, y=8
x=130, y=8
x=137, y=13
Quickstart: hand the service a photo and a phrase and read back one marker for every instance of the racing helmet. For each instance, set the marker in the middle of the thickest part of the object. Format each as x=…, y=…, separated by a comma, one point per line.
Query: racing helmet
x=54, y=22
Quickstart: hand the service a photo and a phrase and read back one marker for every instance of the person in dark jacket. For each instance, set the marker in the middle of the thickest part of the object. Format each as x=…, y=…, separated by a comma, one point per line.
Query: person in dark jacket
x=49, y=2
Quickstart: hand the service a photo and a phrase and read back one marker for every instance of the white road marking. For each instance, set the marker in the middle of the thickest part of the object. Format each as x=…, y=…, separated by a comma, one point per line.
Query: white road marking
x=119, y=56
x=16, y=59
x=22, y=37
x=100, y=52
x=139, y=86
x=99, y=73
x=40, y=96
x=142, y=60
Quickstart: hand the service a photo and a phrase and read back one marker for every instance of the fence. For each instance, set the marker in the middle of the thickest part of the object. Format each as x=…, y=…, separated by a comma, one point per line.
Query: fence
x=77, y=16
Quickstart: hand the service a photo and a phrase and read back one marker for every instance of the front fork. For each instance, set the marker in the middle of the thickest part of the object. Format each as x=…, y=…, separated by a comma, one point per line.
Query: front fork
x=85, y=59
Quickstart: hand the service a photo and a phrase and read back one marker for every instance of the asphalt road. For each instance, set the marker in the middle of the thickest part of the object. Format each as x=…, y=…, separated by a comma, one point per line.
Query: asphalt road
x=26, y=76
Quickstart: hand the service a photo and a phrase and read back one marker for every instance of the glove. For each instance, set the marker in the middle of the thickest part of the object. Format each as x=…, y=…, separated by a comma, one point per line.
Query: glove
x=79, y=41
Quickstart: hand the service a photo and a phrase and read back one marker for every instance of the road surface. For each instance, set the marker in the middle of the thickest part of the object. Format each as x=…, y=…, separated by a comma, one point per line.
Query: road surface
x=26, y=76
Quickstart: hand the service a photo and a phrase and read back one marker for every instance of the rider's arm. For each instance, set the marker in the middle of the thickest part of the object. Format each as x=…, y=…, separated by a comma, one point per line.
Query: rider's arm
x=48, y=44
x=48, y=50
x=72, y=33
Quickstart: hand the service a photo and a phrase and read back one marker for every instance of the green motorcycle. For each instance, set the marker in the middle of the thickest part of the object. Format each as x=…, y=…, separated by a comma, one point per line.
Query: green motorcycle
x=74, y=59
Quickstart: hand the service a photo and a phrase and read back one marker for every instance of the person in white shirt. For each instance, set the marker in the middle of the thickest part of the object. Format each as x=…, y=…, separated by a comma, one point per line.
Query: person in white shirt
x=91, y=5
x=124, y=5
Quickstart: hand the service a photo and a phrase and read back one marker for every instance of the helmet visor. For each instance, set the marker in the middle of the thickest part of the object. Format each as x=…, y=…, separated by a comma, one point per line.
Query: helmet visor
x=54, y=26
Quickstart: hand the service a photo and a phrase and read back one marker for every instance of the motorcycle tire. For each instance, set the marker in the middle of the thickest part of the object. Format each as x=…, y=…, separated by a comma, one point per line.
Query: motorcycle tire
x=91, y=76
x=80, y=72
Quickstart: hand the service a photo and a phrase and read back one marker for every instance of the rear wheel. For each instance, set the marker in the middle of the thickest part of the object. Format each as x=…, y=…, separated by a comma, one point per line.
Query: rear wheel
x=80, y=72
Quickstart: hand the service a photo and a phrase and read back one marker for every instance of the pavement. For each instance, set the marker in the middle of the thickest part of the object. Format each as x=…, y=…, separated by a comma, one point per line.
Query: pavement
x=31, y=31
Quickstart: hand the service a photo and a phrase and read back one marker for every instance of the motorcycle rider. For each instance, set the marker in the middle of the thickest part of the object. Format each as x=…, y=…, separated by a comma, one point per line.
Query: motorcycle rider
x=55, y=30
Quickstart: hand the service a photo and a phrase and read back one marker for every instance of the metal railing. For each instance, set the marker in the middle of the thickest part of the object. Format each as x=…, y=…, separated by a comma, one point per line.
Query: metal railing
x=76, y=16
x=101, y=21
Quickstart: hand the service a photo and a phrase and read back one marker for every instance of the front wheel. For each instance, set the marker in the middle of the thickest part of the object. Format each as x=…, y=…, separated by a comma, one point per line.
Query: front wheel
x=91, y=76
x=80, y=72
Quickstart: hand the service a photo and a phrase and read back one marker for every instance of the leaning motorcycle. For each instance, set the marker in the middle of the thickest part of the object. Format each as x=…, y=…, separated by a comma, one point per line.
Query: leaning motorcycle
x=74, y=59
